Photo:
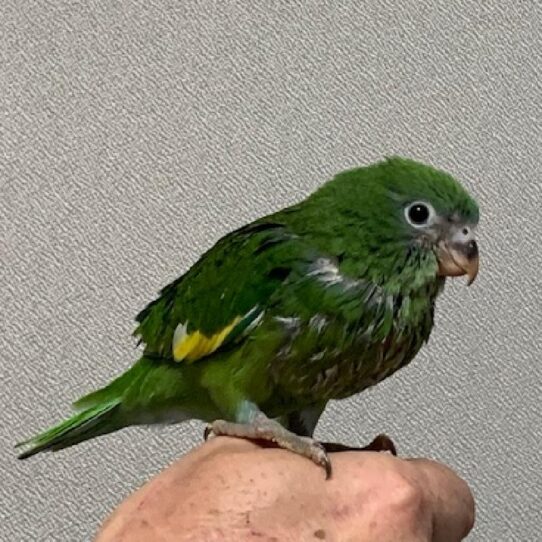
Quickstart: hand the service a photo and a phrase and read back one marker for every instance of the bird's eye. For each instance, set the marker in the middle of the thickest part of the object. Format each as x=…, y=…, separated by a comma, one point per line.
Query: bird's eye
x=419, y=213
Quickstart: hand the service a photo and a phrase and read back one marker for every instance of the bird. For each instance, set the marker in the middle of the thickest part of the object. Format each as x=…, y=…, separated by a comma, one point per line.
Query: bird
x=316, y=302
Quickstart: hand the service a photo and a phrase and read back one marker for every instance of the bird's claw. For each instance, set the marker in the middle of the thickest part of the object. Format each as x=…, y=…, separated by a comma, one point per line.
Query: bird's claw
x=208, y=432
x=321, y=457
x=271, y=432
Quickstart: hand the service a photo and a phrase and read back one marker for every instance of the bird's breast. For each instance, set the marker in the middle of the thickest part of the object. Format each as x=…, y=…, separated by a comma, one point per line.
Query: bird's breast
x=327, y=359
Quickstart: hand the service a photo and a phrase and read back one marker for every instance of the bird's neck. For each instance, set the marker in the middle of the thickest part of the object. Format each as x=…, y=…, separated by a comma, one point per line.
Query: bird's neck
x=393, y=262
x=408, y=280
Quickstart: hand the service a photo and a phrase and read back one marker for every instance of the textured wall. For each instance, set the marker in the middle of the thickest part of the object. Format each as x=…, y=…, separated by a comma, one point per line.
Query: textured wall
x=134, y=134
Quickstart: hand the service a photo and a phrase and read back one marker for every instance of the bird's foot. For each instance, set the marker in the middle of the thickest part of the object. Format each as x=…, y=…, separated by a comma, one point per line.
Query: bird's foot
x=381, y=443
x=262, y=428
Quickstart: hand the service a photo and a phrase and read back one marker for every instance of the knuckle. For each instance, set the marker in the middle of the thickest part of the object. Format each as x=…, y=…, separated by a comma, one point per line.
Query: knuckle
x=403, y=498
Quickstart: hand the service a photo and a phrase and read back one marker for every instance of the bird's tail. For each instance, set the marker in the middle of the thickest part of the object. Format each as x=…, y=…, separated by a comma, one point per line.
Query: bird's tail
x=96, y=420
x=148, y=392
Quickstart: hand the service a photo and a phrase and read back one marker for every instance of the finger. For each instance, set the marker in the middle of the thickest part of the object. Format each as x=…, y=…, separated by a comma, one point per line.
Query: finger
x=451, y=500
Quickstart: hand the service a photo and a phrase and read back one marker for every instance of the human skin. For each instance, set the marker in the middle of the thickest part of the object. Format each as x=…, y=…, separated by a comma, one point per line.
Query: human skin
x=233, y=489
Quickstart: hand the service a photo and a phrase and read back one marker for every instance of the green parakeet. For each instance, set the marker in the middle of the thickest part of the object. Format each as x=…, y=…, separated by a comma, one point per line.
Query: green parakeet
x=318, y=301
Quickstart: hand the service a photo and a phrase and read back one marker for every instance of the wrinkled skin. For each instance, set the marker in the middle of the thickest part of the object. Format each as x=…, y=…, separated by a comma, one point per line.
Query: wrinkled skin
x=231, y=489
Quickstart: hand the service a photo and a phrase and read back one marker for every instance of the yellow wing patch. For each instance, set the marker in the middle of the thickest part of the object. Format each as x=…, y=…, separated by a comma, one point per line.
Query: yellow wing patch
x=193, y=346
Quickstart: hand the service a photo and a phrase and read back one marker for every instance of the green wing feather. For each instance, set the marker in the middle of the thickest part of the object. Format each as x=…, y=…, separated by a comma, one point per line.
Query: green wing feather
x=231, y=283
x=236, y=277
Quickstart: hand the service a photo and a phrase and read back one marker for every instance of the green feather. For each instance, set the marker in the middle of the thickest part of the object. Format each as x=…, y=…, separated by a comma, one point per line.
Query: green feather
x=90, y=423
x=330, y=296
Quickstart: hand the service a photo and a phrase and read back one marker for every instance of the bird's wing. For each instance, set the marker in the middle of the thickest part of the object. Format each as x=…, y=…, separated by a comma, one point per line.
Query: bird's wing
x=222, y=294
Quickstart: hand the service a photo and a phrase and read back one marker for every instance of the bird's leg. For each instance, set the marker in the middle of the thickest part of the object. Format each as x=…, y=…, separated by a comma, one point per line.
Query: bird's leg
x=303, y=422
x=260, y=427
x=381, y=443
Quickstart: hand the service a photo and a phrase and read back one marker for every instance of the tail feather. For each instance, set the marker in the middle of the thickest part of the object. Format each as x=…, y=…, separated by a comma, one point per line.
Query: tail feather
x=148, y=392
x=94, y=421
x=98, y=397
x=117, y=387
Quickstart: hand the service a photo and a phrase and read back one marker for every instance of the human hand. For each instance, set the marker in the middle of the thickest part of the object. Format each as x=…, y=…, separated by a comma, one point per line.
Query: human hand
x=234, y=490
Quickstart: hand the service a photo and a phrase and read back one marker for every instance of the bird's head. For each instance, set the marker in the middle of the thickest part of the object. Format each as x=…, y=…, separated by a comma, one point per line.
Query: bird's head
x=410, y=215
x=436, y=212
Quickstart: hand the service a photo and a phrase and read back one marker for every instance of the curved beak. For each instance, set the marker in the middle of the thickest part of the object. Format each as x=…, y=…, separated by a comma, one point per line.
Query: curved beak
x=458, y=258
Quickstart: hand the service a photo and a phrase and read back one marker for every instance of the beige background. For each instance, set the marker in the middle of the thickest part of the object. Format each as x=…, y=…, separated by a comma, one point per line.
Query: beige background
x=134, y=134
